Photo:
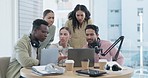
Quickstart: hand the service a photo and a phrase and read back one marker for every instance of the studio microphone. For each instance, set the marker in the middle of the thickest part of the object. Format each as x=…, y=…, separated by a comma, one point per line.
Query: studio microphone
x=98, y=50
x=103, y=54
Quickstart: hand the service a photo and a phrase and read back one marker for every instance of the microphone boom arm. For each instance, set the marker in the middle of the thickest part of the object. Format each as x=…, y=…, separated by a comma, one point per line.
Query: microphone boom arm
x=121, y=38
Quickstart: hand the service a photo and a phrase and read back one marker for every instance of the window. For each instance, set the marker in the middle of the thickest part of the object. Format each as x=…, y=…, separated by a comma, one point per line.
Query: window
x=116, y=11
x=138, y=27
x=28, y=10
x=112, y=40
x=138, y=40
x=112, y=25
x=139, y=10
x=116, y=25
x=111, y=10
x=64, y=4
x=139, y=0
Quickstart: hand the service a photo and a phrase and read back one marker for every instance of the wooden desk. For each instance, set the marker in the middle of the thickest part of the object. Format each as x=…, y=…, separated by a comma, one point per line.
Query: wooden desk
x=125, y=73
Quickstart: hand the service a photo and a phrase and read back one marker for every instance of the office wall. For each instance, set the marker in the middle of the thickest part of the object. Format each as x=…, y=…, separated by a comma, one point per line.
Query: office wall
x=100, y=17
x=130, y=19
x=7, y=29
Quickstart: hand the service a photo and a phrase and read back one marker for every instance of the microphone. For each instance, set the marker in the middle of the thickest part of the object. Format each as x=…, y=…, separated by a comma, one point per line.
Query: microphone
x=96, y=45
x=103, y=54
x=98, y=50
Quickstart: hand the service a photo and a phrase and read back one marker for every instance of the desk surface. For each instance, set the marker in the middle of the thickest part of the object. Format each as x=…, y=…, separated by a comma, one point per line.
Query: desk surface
x=125, y=73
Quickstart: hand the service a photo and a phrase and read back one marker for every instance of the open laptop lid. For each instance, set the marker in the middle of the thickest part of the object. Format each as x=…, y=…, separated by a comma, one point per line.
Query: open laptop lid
x=49, y=55
x=80, y=54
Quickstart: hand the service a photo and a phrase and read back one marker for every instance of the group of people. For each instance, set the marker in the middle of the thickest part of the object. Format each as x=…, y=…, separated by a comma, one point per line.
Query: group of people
x=78, y=32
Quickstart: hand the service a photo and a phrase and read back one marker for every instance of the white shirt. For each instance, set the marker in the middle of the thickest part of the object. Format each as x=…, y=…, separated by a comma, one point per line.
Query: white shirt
x=33, y=52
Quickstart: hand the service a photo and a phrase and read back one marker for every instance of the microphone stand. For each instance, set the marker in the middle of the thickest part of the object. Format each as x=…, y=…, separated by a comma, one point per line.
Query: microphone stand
x=121, y=38
x=141, y=71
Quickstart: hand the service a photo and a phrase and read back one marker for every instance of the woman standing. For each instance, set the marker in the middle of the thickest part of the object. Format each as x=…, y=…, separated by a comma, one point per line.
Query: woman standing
x=48, y=15
x=77, y=21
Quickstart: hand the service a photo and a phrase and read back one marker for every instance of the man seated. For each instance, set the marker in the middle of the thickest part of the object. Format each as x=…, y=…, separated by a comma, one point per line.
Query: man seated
x=26, y=50
x=93, y=41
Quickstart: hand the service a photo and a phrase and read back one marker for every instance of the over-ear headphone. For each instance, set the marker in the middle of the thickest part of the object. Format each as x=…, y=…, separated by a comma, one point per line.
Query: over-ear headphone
x=35, y=43
x=115, y=67
x=96, y=45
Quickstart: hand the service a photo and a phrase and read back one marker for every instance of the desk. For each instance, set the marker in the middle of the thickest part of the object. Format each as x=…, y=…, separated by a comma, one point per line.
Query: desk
x=125, y=73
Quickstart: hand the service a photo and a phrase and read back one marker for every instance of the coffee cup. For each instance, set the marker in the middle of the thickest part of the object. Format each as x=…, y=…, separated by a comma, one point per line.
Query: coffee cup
x=102, y=63
x=69, y=65
x=85, y=64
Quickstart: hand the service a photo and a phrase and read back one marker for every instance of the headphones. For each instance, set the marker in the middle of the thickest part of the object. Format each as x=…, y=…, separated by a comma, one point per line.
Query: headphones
x=96, y=45
x=35, y=43
x=115, y=67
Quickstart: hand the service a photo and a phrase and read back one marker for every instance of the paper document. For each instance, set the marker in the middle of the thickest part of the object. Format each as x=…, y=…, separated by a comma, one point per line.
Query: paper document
x=47, y=70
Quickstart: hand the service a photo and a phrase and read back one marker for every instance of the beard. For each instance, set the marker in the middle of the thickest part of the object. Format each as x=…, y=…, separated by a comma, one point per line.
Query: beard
x=91, y=41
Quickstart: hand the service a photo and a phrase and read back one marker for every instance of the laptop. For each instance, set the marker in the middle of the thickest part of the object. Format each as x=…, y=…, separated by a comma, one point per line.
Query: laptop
x=49, y=55
x=80, y=54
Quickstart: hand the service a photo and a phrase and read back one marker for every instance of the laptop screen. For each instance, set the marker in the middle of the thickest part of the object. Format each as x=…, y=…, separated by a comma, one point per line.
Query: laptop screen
x=80, y=54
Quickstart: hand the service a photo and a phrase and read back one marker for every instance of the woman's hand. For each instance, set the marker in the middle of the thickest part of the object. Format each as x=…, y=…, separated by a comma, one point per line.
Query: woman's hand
x=61, y=57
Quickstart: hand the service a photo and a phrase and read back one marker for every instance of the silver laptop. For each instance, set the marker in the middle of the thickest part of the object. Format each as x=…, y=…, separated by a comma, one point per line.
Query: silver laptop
x=80, y=54
x=49, y=55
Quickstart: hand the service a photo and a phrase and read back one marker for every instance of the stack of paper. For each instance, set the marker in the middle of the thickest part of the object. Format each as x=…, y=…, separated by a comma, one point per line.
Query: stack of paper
x=45, y=70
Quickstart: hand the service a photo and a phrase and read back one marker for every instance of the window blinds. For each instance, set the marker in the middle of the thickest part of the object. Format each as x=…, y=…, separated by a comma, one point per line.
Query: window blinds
x=28, y=11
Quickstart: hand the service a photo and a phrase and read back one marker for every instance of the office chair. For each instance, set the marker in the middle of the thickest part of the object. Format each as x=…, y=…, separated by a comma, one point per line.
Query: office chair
x=4, y=63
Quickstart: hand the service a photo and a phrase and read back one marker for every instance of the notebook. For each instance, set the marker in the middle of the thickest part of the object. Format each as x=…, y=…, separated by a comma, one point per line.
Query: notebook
x=80, y=54
x=49, y=55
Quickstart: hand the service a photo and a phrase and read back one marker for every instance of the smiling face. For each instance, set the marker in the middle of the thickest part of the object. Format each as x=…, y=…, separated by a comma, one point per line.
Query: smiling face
x=49, y=18
x=80, y=15
x=91, y=36
x=64, y=36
